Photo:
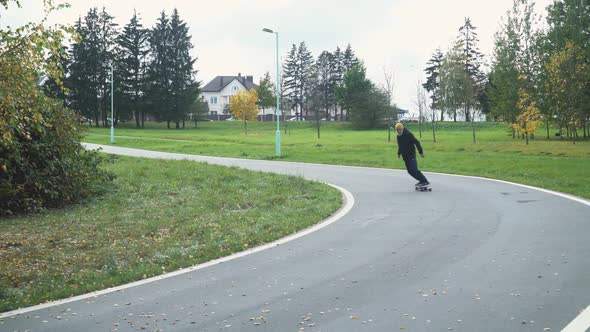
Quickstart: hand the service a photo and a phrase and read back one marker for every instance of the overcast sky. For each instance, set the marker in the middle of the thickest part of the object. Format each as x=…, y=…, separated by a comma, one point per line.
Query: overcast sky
x=399, y=35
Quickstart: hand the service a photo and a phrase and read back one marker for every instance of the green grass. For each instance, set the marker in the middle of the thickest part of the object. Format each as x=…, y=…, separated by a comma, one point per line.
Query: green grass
x=553, y=164
x=158, y=216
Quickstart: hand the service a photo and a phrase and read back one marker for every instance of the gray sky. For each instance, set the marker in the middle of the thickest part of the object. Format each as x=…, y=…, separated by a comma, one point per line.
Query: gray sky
x=396, y=34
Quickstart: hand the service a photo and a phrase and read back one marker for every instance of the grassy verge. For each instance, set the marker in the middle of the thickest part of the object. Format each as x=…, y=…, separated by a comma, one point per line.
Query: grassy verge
x=159, y=216
x=548, y=163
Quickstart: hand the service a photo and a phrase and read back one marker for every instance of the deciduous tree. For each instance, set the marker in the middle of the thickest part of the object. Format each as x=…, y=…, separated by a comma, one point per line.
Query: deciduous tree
x=243, y=106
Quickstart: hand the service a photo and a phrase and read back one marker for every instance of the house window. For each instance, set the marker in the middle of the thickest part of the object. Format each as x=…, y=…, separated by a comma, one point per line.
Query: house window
x=235, y=88
x=213, y=100
x=213, y=112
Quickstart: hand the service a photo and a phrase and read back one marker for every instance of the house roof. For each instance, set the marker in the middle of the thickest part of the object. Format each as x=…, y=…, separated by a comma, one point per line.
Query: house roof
x=218, y=83
x=399, y=110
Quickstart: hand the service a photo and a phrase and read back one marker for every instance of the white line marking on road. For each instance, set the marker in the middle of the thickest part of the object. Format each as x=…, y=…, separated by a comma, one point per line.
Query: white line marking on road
x=581, y=323
x=346, y=207
x=557, y=193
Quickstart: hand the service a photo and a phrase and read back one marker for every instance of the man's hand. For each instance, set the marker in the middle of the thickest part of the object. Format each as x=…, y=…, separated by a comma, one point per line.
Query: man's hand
x=422, y=155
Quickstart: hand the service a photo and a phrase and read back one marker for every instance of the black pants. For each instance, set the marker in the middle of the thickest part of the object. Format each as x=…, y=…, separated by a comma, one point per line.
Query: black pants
x=412, y=167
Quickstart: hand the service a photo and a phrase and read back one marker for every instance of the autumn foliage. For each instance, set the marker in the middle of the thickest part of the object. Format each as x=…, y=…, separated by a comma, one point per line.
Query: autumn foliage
x=42, y=163
x=243, y=106
x=529, y=118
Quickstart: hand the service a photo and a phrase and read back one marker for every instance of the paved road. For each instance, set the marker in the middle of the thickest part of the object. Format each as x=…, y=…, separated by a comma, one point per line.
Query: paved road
x=472, y=255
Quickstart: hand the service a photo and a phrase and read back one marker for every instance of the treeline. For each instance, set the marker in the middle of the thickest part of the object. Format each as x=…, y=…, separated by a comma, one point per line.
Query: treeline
x=539, y=72
x=153, y=70
x=332, y=86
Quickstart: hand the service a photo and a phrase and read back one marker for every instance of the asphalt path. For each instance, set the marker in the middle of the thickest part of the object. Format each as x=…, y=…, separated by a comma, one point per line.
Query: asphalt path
x=472, y=255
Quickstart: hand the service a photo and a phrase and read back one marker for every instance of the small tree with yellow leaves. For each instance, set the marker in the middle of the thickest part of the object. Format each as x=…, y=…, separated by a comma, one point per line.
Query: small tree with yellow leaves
x=529, y=118
x=243, y=106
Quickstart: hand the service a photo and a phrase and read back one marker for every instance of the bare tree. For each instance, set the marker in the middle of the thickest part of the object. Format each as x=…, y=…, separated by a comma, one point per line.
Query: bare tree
x=421, y=104
x=389, y=87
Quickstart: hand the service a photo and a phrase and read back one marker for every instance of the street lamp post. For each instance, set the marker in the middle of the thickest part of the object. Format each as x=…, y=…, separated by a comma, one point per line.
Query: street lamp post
x=112, y=112
x=278, y=112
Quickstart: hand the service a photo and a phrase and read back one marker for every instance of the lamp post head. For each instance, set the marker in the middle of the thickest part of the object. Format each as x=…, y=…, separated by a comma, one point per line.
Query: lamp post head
x=267, y=30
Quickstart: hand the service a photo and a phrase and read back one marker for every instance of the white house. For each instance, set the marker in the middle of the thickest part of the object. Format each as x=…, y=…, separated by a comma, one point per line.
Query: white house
x=221, y=88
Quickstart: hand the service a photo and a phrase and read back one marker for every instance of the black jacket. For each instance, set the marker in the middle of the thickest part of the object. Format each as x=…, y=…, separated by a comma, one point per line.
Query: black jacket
x=406, y=145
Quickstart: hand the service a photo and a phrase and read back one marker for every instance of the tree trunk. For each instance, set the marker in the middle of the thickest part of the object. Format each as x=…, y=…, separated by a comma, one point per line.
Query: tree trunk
x=168, y=123
x=389, y=130
x=561, y=133
x=136, y=119
x=142, y=120
x=420, y=125
x=526, y=135
x=286, y=125
x=182, y=123
x=317, y=120
x=574, y=134
x=245, y=128
x=548, y=136
x=433, y=131
x=473, y=128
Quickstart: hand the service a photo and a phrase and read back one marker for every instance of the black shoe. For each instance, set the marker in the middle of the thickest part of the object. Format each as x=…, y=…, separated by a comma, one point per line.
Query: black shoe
x=423, y=184
x=418, y=184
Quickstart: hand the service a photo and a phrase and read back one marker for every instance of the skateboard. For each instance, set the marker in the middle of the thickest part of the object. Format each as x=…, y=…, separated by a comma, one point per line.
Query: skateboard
x=423, y=188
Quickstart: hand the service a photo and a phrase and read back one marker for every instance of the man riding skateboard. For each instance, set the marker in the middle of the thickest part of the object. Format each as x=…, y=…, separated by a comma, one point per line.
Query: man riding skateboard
x=407, y=144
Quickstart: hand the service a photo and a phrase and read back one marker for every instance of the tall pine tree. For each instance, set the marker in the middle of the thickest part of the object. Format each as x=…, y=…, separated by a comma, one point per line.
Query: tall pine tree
x=432, y=79
x=472, y=63
x=160, y=71
x=133, y=52
x=326, y=81
x=338, y=69
x=184, y=87
x=106, y=34
x=89, y=65
x=297, y=73
x=305, y=63
x=291, y=78
x=349, y=59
